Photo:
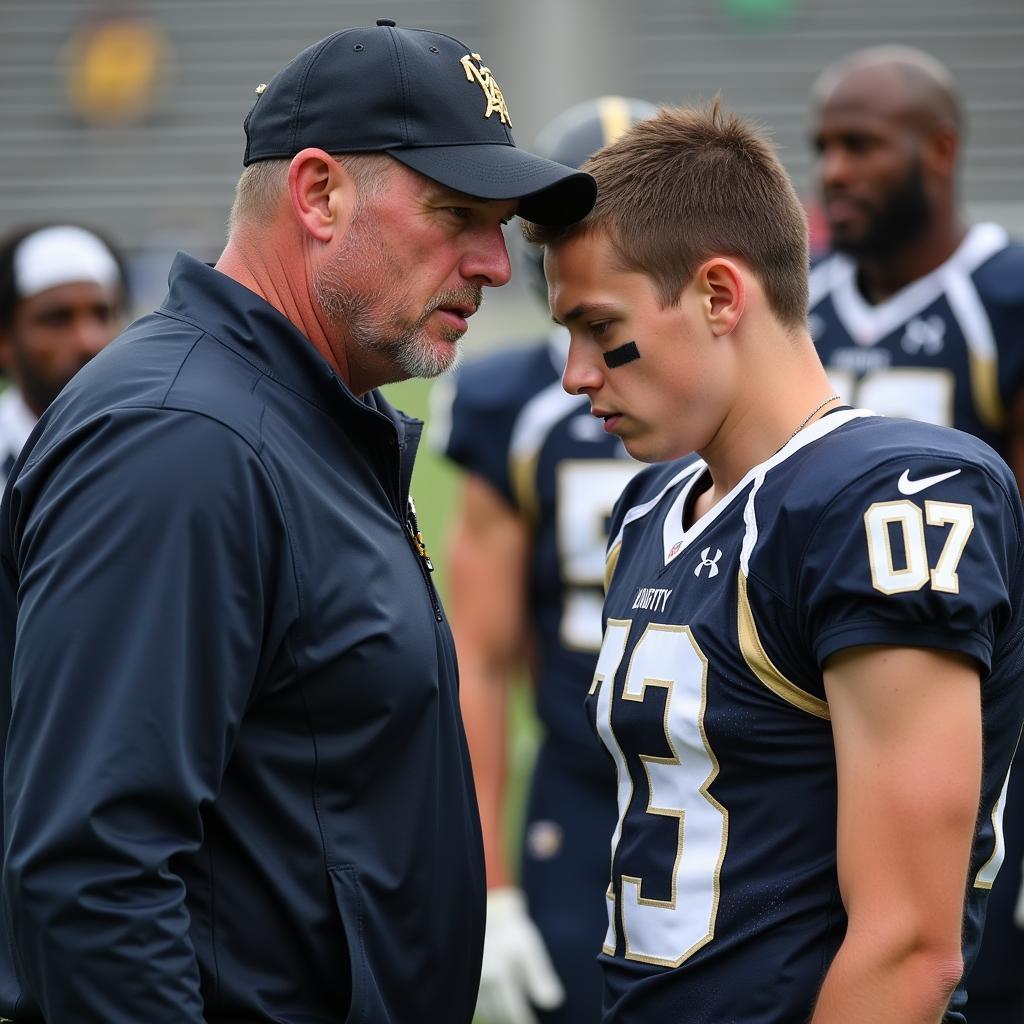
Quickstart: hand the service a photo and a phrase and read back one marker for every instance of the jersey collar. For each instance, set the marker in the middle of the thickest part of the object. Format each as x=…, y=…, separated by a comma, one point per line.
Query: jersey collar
x=677, y=540
x=867, y=324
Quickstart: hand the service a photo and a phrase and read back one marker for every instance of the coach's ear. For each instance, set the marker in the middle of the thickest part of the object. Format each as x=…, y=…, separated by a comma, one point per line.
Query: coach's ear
x=723, y=294
x=322, y=194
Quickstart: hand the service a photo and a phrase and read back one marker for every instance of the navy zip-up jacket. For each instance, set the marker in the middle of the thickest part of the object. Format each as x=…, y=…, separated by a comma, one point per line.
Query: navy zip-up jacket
x=236, y=786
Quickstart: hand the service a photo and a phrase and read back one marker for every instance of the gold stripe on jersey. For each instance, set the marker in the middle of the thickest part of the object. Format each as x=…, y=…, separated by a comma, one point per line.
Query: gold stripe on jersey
x=610, y=562
x=985, y=390
x=524, y=485
x=985, y=877
x=761, y=665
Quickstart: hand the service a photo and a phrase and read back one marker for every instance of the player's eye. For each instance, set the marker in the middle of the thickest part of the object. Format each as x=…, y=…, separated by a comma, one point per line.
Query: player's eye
x=858, y=143
x=600, y=328
x=56, y=318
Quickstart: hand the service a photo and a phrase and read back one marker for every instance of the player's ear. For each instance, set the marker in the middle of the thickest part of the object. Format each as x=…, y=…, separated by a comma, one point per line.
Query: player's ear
x=322, y=194
x=723, y=294
x=941, y=151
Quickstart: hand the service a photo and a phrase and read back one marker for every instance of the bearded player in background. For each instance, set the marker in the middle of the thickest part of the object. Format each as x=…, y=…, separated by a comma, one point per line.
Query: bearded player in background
x=917, y=314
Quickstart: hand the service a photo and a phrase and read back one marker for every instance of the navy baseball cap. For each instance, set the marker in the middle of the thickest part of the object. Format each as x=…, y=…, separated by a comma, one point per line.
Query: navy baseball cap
x=423, y=98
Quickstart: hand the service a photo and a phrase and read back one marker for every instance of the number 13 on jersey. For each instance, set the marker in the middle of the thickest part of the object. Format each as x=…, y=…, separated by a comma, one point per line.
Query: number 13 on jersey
x=666, y=658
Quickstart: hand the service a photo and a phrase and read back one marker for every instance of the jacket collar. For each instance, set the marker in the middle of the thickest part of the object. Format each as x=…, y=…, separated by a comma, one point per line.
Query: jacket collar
x=248, y=325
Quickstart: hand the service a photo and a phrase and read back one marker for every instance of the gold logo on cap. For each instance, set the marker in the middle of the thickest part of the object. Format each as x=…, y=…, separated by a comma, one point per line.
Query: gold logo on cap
x=483, y=77
x=260, y=89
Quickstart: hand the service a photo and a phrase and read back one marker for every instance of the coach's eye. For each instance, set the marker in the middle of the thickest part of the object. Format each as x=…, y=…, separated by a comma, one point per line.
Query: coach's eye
x=460, y=212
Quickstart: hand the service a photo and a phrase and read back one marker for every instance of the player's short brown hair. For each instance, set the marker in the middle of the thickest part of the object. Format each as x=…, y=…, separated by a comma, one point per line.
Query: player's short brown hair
x=689, y=184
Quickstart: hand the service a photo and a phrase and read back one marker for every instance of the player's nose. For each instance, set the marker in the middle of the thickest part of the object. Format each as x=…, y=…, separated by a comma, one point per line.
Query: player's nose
x=833, y=168
x=581, y=375
x=88, y=335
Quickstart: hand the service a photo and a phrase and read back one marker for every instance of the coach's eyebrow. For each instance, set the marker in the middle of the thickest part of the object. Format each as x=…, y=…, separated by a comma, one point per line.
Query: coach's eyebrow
x=585, y=309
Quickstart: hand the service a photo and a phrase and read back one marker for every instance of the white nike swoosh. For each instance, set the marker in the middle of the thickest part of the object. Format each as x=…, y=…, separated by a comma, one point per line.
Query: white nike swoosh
x=908, y=486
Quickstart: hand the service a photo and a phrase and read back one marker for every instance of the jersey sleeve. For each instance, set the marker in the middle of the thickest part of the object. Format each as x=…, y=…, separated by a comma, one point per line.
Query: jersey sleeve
x=924, y=559
x=483, y=405
x=150, y=550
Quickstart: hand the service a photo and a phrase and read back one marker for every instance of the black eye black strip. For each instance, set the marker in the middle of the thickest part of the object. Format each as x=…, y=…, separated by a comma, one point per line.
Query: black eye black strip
x=621, y=355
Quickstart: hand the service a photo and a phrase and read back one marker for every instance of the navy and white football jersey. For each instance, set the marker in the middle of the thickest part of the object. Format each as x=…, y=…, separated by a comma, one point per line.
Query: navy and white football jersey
x=724, y=904
x=512, y=424
x=947, y=349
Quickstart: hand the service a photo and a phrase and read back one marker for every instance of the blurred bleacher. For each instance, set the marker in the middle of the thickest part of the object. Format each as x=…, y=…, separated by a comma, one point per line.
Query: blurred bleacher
x=162, y=176
x=765, y=57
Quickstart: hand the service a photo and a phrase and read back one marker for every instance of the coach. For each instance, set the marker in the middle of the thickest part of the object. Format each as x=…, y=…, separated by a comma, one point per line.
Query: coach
x=236, y=785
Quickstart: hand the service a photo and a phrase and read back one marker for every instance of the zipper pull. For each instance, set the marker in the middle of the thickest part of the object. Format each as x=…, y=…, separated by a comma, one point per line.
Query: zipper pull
x=417, y=536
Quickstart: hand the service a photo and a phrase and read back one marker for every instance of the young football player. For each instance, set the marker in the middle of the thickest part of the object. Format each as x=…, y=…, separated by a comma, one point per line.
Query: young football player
x=809, y=679
x=526, y=568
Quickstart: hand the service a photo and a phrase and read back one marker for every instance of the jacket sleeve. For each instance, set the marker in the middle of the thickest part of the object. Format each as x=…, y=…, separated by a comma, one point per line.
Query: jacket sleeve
x=148, y=550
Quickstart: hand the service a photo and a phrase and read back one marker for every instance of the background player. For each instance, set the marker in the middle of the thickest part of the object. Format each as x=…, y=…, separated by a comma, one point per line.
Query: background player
x=915, y=314
x=526, y=565
x=790, y=682
x=63, y=297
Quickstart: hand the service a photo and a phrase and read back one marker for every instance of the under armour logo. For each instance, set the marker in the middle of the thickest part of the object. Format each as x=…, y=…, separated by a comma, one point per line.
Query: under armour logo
x=925, y=336
x=708, y=563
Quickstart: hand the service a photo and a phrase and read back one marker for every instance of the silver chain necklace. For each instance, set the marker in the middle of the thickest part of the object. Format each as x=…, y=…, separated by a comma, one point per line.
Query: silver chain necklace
x=811, y=415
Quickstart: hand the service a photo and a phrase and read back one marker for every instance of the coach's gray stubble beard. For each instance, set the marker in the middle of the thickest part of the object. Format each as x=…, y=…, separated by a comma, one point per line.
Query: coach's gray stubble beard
x=372, y=319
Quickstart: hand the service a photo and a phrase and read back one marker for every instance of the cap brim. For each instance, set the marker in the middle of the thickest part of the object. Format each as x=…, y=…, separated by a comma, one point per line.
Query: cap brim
x=549, y=193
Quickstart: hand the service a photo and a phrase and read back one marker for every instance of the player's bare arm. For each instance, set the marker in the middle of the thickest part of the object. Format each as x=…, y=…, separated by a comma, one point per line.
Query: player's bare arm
x=489, y=566
x=487, y=586
x=907, y=728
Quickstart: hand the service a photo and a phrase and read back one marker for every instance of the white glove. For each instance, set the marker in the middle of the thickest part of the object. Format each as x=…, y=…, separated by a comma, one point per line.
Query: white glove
x=517, y=970
x=1018, y=911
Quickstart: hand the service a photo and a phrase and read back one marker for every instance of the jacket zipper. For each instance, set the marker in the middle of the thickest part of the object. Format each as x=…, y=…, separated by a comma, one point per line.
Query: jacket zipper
x=422, y=556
